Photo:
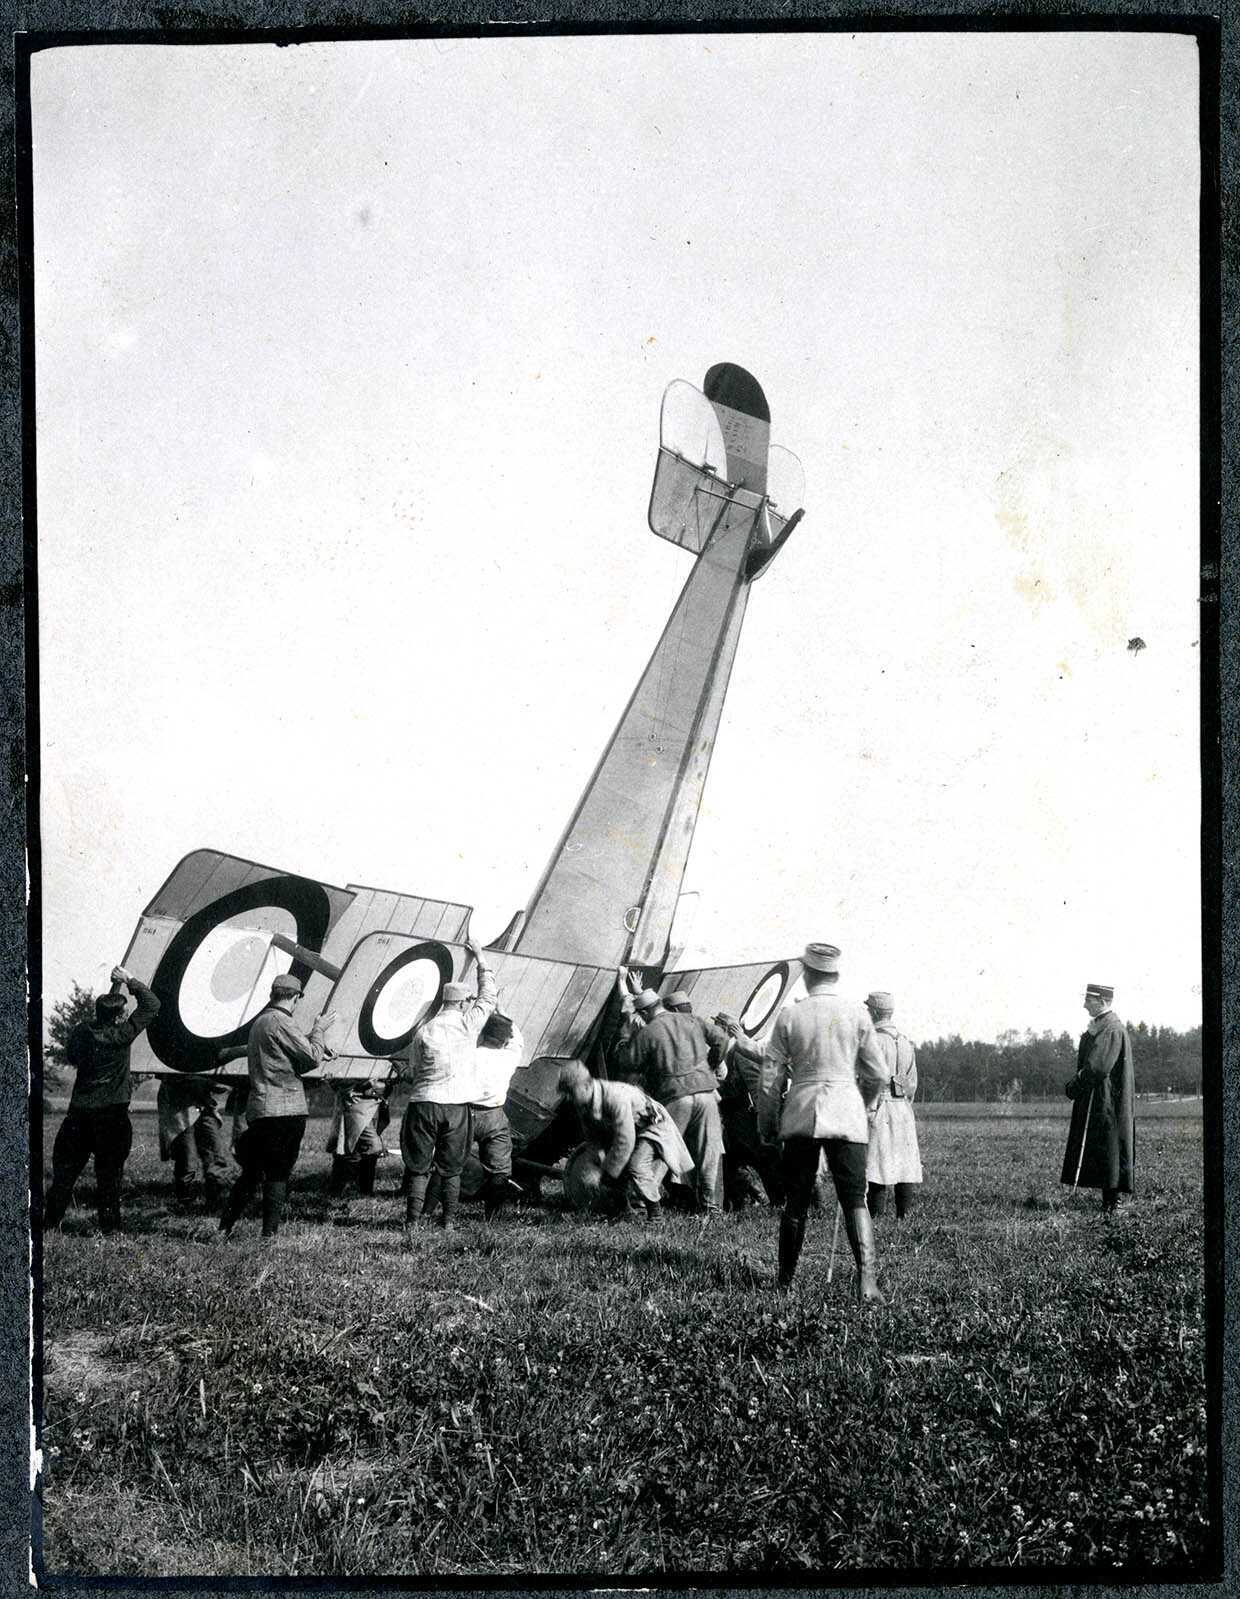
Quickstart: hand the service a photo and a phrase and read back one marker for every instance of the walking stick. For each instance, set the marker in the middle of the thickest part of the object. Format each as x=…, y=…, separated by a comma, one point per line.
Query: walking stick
x=835, y=1238
x=1089, y=1105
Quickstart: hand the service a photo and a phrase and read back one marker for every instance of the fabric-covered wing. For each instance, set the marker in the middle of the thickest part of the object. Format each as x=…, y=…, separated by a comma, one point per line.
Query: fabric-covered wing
x=220, y=928
x=393, y=981
x=754, y=994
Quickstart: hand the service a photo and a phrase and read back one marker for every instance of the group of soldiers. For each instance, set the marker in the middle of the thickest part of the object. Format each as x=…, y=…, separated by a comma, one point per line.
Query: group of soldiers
x=687, y=1105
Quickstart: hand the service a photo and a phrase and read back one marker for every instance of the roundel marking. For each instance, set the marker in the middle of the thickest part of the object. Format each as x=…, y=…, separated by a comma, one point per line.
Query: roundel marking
x=229, y=976
x=760, y=1006
x=193, y=992
x=406, y=992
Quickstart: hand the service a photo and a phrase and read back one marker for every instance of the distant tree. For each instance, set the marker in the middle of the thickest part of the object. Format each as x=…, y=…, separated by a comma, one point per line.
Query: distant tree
x=68, y=1014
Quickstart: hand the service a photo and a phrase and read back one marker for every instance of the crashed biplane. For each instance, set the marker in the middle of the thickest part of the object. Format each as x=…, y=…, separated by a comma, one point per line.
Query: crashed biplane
x=221, y=928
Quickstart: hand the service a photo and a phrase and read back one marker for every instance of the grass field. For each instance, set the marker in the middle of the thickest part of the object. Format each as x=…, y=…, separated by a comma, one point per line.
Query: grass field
x=562, y=1395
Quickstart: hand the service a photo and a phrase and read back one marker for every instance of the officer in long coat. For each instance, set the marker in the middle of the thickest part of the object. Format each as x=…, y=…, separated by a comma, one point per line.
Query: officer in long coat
x=1102, y=1138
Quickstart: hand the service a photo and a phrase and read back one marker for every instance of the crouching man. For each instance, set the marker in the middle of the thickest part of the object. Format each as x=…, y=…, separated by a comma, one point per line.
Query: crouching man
x=637, y=1139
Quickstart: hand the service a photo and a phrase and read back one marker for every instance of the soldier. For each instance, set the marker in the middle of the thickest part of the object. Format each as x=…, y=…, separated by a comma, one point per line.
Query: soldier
x=97, y=1121
x=1102, y=1138
x=820, y=1048
x=355, y=1137
x=894, y=1160
x=191, y=1114
x=498, y=1055
x=670, y=1058
x=277, y=1054
x=637, y=1141
x=750, y=1169
x=437, y=1125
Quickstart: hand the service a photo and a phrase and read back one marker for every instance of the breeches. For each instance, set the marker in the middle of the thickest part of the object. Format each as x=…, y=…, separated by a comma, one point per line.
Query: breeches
x=107, y=1135
x=494, y=1139
x=435, y=1135
x=269, y=1147
x=846, y=1161
x=697, y=1117
x=645, y=1172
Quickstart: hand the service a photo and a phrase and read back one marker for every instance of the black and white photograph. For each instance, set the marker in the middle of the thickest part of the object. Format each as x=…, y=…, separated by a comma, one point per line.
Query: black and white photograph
x=617, y=798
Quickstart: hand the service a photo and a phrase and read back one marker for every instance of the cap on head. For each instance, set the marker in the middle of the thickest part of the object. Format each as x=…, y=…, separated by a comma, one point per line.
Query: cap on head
x=454, y=993
x=109, y=1005
x=284, y=986
x=572, y=1077
x=1099, y=991
x=879, y=999
x=496, y=1030
x=821, y=958
x=648, y=1000
x=677, y=997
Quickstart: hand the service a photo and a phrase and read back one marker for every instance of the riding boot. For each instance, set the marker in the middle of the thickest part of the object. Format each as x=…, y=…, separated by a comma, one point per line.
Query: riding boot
x=415, y=1198
x=860, y=1229
x=906, y=1198
x=366, y=1168
x=450, y=1189
x=494, y=1197
x=184, y=1177
x=339, y=1179
x=791, y=1237
x=876, y=1199
x=273, y=1207
x=239, y=1196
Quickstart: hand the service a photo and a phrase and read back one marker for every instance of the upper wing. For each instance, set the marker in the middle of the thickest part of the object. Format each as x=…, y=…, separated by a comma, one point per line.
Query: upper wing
x=220, y=928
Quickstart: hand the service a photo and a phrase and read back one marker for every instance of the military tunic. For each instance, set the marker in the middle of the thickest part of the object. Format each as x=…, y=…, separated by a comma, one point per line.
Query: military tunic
x=893, y=1155
x=1103, y=1111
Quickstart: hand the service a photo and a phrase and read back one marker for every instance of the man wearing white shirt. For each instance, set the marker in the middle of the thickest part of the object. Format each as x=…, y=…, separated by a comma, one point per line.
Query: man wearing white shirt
x=436, y=1130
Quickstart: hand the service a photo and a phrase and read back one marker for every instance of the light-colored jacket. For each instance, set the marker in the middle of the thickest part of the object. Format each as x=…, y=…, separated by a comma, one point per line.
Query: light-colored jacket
x=441, y=1066
x=824, y=1051
x=901, y=1057
x=493, y=1069
x=277, y=1053
x=621, y=1113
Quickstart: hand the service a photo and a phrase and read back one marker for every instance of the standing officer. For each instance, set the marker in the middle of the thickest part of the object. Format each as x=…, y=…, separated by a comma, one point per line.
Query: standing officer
x=277, y=1053
x=97, y=1121
x=1102, y=1138
x=822, y=1048
x=894, y=1161
x=437, y=1125
x=670, y=1058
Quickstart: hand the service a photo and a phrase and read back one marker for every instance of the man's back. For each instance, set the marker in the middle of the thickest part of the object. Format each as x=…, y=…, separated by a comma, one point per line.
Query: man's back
x=99, y=1050
x=819, y=1047
x=277, y=1052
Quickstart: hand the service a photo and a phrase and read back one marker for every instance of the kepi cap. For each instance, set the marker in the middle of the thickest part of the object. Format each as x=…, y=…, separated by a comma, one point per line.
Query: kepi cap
x=677, y=997
x=880, y=999
x=285, y=985
x=454, y=993
x=821, y=958
x=1099, y=991
x=647, y=1000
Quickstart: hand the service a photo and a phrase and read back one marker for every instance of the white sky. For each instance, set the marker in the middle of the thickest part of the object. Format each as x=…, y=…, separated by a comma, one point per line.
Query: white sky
x=349, y=360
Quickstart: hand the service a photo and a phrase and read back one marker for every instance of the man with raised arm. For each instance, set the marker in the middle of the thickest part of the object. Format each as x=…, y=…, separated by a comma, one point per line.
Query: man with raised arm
x=97, y=1121
x=824, y=1052
x=670, y=1057
x=437, y=1127
x=278, y=1054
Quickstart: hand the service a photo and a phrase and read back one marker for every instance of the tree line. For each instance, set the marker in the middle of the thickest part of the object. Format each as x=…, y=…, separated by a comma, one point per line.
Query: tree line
x=1015, y=1066
x=1033, y=1065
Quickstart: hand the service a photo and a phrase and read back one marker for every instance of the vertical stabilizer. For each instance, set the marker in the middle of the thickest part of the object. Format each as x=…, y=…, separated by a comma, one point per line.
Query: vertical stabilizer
x=610, y=890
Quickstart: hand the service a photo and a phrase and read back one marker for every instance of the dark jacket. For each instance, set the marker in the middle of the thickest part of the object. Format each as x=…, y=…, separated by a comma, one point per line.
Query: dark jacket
x=1103, y=1112
x=670, y=1056
x=100, y=1052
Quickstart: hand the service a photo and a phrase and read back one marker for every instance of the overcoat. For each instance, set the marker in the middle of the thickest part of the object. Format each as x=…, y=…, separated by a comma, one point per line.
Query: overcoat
x=1102, y=1090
